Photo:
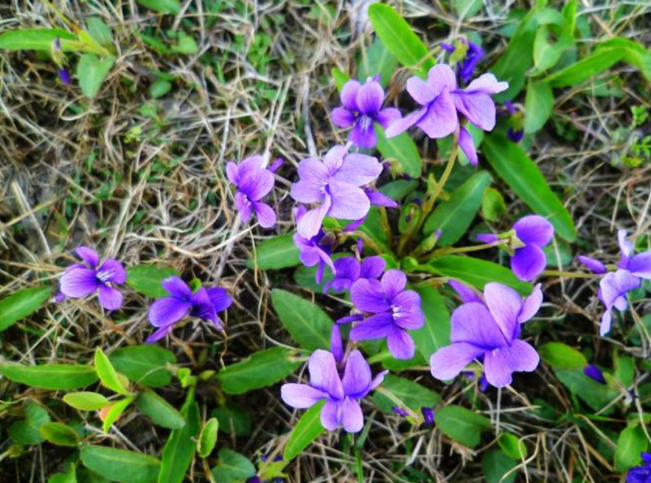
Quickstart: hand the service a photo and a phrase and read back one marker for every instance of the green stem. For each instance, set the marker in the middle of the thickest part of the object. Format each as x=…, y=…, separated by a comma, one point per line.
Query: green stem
x=429, y=203
x=560, y=273
x=449, y=250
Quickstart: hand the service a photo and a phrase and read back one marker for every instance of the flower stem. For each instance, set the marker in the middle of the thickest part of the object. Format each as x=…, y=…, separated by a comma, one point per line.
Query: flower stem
x=449, y=250
x=561, y=273
x=430, y=201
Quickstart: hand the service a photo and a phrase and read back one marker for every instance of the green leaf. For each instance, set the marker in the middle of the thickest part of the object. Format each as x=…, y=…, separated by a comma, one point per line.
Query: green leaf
x=181, y=445
x=631, y=442
x=86, y=401
x=91, y=72
x=436, y=331
x=492, y=204
x=35, y=39
x=21, y=304
x=233, y=419
x=275, y=253
x=120, y=465
x=378, y=60
x=538, y=106
x=586, y=68
x=624, y=369
x=27, y=431
x=307, y=429
x=159, y=88
x=495, y=465
x=340, y=78
x=528, y=183
x=107, y=375
x=413, y=395
x=517, y=58
x=546, y=53
x=562, y=356
x=476, y=272
x=146, y=279
x=99, y=31
x=512, y=446
x=461, y=424
x=144, y=364
x=185, y=45
x=70, y=476
x=309, y=325
x=467, y=8
x=162, y=6
x=399, y=38
x=208, y=438
x=262, y=369
x=232, y=467
x=159, y=410
x=53, y=376
x=454, y=216
x=115, y=411
x=400, y=148
x=635, y=54
x=59, y=434
x=594, y=394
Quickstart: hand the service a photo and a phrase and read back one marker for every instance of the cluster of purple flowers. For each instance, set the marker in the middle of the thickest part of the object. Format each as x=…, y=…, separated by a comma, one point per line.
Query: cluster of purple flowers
x=83, y=279
x=615, y=286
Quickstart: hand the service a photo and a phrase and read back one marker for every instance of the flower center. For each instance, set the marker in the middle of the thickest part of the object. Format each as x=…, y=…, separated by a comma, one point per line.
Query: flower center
x=365, y=122
x=396, y=312
x=104, y=275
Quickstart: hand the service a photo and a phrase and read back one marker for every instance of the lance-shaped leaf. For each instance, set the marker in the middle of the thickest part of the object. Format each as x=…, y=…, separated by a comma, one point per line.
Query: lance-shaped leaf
x=275, y=253
x=21, y=304
x=107, y=374
x=120, y=465
x=525, y=179
x=309, y=325
x=56, y=376
x=307, y=429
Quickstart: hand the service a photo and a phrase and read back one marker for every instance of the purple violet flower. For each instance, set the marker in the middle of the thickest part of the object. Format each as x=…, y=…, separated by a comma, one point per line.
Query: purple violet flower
x=315, y=250
x=594, y=373
x=642, y=473
x=342, y=394
x=82, y=279
x=535, y=232
x=253, y=183
x=362, y=108
x=64, y=75
x=428, y=415
x=466, y=67
x=441, y=100
x=399, y=411
x=348, y=270
x=334, y=185
x=515, y=135
x=205, y=303
x=490, y=330
x=395, y=311
x=614, y=286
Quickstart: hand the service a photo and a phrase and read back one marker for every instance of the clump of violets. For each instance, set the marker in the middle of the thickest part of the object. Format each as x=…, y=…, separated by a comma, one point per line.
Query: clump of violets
x=615, y=286
x=334, y=186
x=533, y=233
x=83, y=279
x=342, y=395
x=253, y=182
x=490, y=331
x=315, y=250
x=642, y=473
x=362, y=108
x=392, y=312
x=442, y=101
x=349, y=270
x=204, y=303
